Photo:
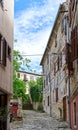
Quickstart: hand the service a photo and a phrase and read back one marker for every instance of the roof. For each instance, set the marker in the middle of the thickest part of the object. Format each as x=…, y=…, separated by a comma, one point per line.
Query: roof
x=29, y=73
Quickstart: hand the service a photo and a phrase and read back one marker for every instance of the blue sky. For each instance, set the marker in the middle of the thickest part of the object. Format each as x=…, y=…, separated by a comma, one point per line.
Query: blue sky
x=33, y=23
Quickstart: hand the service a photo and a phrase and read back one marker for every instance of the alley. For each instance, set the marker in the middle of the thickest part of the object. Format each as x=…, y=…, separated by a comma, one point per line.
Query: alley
x=35, y=121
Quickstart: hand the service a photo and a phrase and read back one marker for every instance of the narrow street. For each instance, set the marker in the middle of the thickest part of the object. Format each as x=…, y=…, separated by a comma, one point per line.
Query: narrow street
x=35, y=121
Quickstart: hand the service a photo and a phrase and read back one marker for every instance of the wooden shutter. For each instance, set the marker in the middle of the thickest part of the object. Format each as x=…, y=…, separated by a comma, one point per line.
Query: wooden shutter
x=9, y=52
x=69, y=61
x=0, y=48
x=72, y=4
x=74, y=43
x=70, y=13
x=4, y=53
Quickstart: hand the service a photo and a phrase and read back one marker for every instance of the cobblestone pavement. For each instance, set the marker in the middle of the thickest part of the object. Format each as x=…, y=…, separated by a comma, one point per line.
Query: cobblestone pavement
x=35, y=121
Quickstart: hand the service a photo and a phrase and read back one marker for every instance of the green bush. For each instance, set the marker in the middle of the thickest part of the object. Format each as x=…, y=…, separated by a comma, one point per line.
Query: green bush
x=40, y=107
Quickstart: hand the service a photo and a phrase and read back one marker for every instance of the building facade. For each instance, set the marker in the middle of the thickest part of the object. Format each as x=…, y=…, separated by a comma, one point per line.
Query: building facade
x=27, y=76
x=55, y=69
x=73, y=26
x=60, y=66
x=6, y=47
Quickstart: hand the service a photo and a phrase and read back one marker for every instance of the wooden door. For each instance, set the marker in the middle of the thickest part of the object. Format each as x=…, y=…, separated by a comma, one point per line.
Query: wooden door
x=64, y=109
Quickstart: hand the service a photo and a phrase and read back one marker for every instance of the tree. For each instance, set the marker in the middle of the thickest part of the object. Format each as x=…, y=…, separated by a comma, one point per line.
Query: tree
x=19, y=90
x=19, y=85
x=18, y=61
x=36, y=90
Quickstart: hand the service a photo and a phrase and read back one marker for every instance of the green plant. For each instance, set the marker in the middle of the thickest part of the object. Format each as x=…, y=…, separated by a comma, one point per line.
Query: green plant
x=36, y=90
x=3, y=113
x=40, y=107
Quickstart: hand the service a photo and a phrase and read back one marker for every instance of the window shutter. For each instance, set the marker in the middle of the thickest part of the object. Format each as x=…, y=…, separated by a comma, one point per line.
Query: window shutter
x=69, y=61
x=4, y=53
x=9, y=52
x=72, y=4
x=70, y=13
x=0, y=48
x=74, y=43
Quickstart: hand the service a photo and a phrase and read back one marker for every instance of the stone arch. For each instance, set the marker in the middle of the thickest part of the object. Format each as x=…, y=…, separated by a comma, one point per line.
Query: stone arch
x=60, y=112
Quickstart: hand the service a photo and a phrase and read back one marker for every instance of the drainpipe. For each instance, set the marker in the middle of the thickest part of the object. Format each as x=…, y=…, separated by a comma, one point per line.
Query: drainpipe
x=50, y=85
x=69, y=99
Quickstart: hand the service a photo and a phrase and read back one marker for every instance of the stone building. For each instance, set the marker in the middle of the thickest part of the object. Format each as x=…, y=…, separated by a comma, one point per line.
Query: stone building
x=27, y=76
x=73, y=84
x=6, y=47
x=55, y=70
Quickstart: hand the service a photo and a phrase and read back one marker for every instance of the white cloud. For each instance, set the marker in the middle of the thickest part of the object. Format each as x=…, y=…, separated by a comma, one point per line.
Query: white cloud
x=33, y=27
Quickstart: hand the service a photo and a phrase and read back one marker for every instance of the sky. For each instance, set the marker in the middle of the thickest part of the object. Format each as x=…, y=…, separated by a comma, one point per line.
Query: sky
x=33, y=22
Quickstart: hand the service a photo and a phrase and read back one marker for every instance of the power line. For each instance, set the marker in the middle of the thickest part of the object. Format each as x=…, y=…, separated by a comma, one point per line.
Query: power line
x=32, y=55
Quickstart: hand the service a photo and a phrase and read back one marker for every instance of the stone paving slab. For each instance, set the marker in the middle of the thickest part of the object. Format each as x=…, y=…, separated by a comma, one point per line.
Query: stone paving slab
x=35, y=121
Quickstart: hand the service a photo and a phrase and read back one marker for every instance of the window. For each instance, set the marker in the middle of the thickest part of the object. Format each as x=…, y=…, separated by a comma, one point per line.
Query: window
x=44, y=102
x=47, y=59
x=72, y=4
x=31, y=78
x=48, y=100
x=70, y=13
x=4, y=52
x=75, y=113
x=46, y=80
x=62, y=25
x=74, y=43
x=49, y=77
x=72, y=9
x=9, y=52
x=3, y=48
x=18, y=75
x=2, y=4
x=56, y=41
x=56, y=65
x=60, y=60
x=56, y=94
x=25, y=77
x=0, y=49
x=44, y=83
x=43, y=69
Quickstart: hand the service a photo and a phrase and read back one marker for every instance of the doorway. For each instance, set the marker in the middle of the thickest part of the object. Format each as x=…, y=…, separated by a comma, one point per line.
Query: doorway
x=64, y=109
x=3, y=105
